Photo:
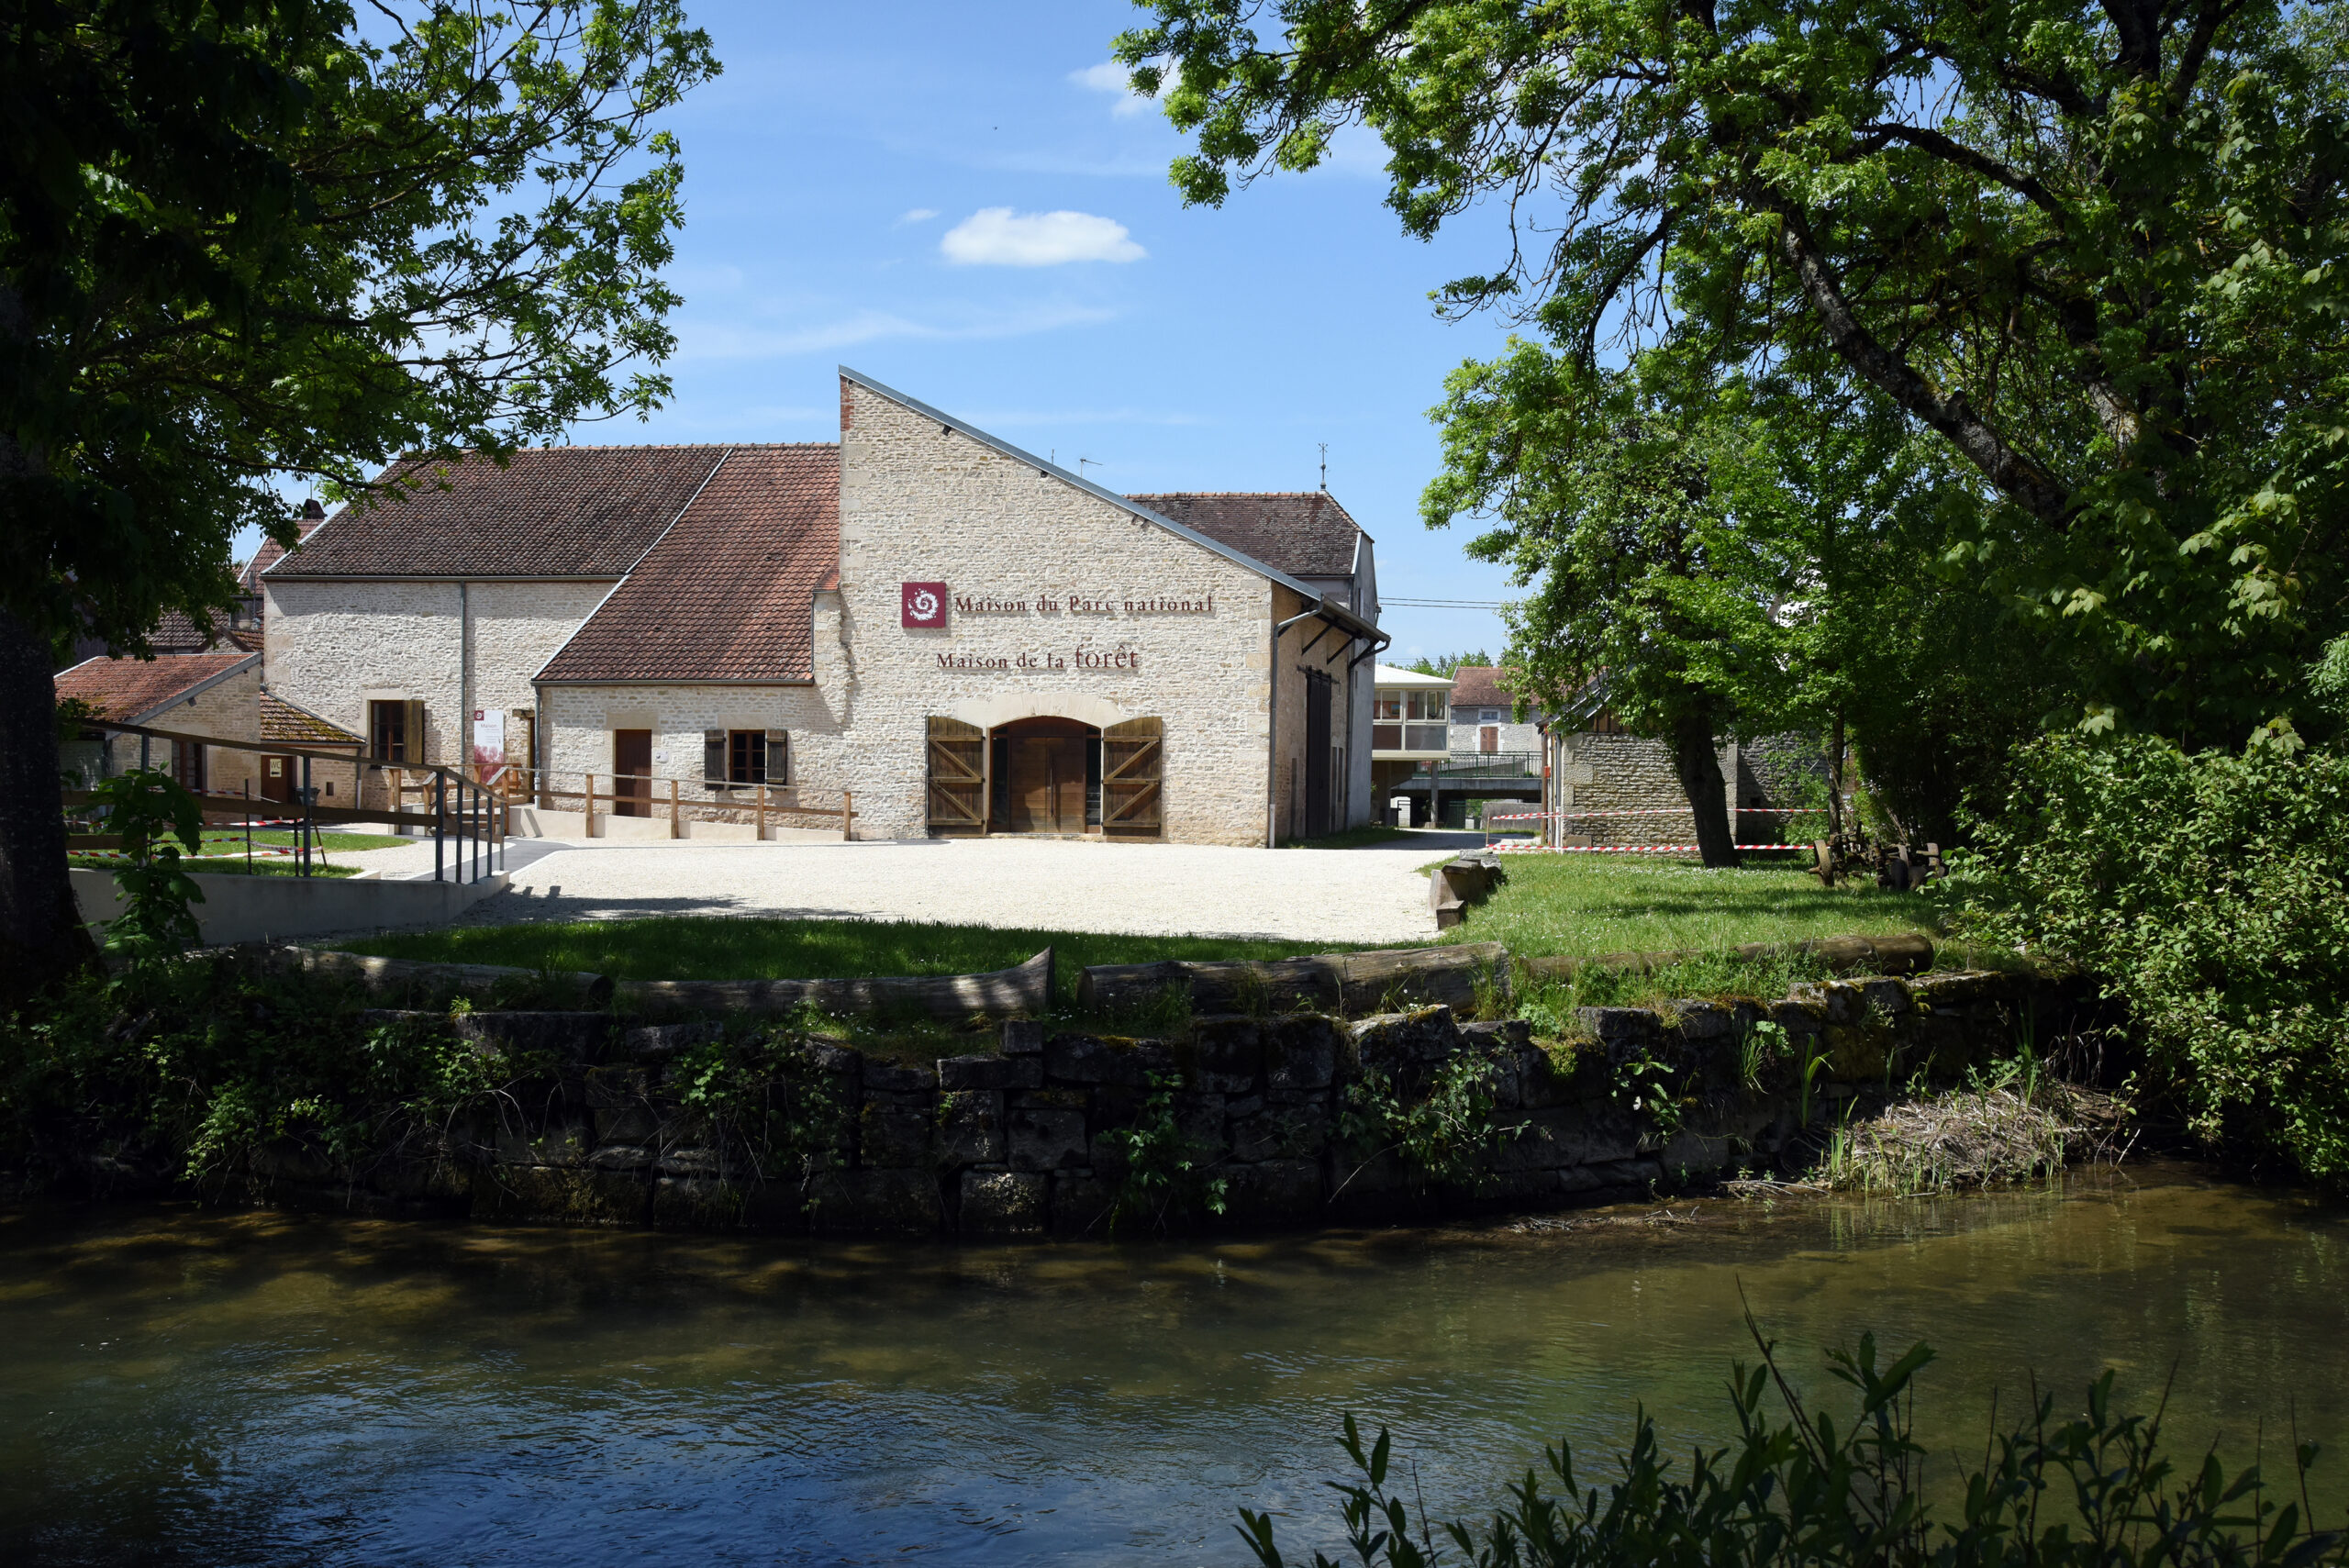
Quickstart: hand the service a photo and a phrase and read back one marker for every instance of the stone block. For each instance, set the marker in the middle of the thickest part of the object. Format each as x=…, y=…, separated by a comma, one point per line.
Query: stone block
x=893, y=1135
x=1697, y=1153
x=1021, y=1037
x=899, y=1078
x=562, y=1195
x=1502, y=1034
x=1637, y=1173
x=626, y=1124
x=690, y=1160
x=969, y=1127
x=561, y=1037
x=1621, y=1029
x=1273, y=1192
x=1049, y=1099
x=831, y=1057
x=1535, y=1082
x=1700, y=1021
x=1399, y=1042
x=613, y=1085
x=1202, y=1121
x=1302, y=1052
x=562, y=1142
x=1087, y=1059
x=1044, y=1139
x=1257, y=1137
x=889, y=1202
x=1798, y=1016
x=1889, y=997
x=696, y=1203
x=1565, y=1135
x=1223, y=1056
x=1005, y=1203
x=990, y=1072
x=1959, y=987
x=1081, y=1203
x=620, y=1157
x=659, y=1043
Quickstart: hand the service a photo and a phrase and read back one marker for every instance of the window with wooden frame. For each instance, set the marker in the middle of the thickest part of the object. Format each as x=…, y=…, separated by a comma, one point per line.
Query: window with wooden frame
x=395, y=731
x=733, y=758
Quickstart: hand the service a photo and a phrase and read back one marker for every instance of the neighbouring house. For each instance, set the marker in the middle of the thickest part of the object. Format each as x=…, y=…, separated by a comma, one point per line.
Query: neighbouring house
x=207, y=694
x=1484, y=714
x=960, y=636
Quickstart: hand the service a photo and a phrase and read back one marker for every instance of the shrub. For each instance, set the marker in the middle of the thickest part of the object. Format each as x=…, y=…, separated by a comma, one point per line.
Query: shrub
x=2210, y=892
x=2096, y=1491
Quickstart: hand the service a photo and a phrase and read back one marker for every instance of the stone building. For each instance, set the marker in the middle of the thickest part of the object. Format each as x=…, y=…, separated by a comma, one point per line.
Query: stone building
x=956, y=635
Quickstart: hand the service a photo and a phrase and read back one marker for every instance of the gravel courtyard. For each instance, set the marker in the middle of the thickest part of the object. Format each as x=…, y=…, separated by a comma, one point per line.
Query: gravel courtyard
x=1358, y=895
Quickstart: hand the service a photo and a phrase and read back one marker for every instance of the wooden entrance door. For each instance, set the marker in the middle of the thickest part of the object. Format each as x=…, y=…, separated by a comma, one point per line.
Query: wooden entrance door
x=957, y=783
x=1045, y=763
x=1132, y=764
x=277, y=779
x=632, y=763
x=1317, y=688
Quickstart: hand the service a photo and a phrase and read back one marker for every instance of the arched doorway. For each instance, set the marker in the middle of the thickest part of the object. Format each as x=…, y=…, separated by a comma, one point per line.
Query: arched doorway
x=1047, y=776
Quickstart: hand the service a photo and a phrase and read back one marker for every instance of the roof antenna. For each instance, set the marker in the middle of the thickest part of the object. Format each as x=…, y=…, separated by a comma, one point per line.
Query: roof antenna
x=1082, y=460
x=1325, y=467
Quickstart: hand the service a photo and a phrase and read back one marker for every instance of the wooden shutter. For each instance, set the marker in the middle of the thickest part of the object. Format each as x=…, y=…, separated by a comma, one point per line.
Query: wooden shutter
x=957, y=777
x=778, y=757
x=412, y=748
x=713, y=756
x=1133, y=767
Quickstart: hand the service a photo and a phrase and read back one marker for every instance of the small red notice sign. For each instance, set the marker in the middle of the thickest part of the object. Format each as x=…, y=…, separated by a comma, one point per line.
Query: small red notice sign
x=921, y=604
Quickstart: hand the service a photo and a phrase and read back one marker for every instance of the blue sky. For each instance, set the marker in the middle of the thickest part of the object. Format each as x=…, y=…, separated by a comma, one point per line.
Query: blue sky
x=845, y=179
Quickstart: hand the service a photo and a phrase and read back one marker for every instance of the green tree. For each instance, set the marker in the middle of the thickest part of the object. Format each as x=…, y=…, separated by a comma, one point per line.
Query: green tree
x=2094, y=248
x=245, y=243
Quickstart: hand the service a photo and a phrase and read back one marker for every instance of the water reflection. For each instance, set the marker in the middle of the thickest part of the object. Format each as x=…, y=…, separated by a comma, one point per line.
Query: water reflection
x=181, y=1386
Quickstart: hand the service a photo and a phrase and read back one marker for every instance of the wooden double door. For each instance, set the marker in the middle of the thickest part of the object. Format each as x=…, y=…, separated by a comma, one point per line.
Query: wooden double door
x=1047, y=776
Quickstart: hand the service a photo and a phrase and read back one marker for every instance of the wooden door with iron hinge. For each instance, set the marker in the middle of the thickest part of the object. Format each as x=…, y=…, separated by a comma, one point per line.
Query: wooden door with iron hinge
x=1132, y=773
x=957, y=777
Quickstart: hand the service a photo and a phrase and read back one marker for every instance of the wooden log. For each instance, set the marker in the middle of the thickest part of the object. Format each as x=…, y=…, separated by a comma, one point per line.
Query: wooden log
x=1353, y=983
x=1026, y=990
x=395, y=977
x=1908, y=954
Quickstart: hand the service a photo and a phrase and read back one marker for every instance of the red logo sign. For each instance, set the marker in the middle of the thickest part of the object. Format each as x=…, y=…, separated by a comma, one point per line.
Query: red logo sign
x=921, y=604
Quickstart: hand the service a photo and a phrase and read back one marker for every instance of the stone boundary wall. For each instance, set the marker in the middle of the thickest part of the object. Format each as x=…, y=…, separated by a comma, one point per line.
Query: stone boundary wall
x=1022, y=1143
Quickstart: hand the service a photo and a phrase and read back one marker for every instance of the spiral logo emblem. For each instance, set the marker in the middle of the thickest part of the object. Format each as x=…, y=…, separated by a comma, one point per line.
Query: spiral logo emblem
x=925, y=604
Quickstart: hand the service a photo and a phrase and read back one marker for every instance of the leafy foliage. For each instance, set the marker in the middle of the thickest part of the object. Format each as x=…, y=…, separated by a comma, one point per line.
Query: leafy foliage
x=1163, y=1181
x=2093, y=247
x=148, y=808
x=2093, y=1490
x=763, y=1093
x=2207, y=890
x=1440, y=1121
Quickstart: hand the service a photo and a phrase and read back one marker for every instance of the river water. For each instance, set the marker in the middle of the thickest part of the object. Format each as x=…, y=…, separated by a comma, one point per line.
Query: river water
x=179, y=1386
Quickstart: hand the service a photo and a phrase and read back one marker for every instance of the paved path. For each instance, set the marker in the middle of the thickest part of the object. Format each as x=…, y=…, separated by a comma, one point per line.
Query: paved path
x=1362, y=895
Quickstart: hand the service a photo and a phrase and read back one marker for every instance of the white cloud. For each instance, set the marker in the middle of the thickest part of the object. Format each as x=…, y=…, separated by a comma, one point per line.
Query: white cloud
x=920, y=215
x=1111, y=77
x=997, y=237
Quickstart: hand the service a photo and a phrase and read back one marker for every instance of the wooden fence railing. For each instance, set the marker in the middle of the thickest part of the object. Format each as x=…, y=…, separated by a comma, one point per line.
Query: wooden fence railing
x=657, y=796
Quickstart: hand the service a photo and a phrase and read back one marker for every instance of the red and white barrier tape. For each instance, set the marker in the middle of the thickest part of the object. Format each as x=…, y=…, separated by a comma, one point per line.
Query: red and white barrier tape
x=1534, y=849
x=1647, y=811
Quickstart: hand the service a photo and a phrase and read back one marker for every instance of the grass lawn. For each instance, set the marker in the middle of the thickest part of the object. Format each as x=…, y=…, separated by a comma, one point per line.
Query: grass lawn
x=223, y=866
x=1581, y=905
x=734, y=948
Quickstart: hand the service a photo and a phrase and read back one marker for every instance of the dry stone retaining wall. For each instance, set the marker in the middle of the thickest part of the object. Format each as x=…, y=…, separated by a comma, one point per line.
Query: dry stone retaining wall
x=1022, y=1141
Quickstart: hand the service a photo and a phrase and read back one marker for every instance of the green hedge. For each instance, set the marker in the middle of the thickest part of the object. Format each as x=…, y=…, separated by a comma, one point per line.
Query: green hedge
x=2211, y=891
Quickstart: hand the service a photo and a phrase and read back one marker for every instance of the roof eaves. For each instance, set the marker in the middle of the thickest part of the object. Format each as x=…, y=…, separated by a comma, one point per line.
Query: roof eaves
x=189, y=693
x=1269, y=573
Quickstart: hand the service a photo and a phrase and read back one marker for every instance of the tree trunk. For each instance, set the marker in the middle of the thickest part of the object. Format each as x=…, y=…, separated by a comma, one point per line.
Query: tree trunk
x=1700, y=767
x=41, y=934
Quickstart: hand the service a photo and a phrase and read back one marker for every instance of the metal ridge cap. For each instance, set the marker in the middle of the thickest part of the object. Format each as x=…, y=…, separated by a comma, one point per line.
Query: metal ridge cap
x=270, y=575
x=1270, y=574
x=671, y=680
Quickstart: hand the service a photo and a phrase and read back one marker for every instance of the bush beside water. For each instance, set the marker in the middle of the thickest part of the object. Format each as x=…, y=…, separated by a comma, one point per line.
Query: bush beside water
x=2093, y=1490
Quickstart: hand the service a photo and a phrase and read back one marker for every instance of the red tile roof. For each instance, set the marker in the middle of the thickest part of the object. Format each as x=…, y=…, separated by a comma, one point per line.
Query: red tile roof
x=270, y=554
x=726, y=595
x=130, y=690
x=1480, y=685
x=177, y=633
x=551, y=512
x=1304, y=533
x=291, y=725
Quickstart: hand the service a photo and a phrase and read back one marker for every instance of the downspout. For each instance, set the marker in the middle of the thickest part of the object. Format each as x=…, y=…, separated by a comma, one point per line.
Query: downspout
x=464, y=681
x=1272, y=724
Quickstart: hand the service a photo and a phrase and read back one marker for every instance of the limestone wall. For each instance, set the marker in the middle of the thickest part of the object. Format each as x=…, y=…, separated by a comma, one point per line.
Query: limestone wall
x=1025, y=1139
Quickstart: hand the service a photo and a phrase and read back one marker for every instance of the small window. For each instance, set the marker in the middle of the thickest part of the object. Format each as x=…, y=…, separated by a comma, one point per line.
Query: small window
x=396, y=732
x=746, y=756
x=1390, y=706
x=1428, y=704
x=1492, y=716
